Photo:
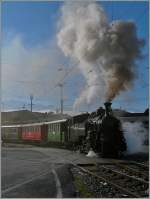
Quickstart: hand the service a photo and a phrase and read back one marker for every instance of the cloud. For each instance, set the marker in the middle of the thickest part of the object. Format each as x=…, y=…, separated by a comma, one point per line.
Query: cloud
x=30, y=70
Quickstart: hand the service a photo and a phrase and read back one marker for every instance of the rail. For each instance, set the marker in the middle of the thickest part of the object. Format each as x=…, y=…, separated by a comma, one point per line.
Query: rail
x=127, y=184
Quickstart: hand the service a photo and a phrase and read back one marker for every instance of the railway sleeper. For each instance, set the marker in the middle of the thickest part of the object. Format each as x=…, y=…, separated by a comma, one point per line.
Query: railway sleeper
x=116, y=186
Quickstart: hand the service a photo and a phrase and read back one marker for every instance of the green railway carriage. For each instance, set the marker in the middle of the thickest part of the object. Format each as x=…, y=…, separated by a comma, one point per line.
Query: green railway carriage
x=57, y=131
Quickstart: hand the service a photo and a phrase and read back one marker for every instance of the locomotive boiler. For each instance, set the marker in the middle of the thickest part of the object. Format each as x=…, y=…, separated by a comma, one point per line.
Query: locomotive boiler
x=103, y=133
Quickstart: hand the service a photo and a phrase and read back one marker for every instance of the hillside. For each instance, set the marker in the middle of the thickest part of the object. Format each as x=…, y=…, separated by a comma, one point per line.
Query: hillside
x=25, y=116
x=120, y=113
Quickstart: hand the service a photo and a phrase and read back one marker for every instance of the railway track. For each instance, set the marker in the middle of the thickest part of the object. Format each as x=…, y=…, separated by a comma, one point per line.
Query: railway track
x=133, y=170
x=118, y=179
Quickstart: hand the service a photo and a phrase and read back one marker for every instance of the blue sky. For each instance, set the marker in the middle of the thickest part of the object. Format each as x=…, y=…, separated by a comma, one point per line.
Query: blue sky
x=29, y=38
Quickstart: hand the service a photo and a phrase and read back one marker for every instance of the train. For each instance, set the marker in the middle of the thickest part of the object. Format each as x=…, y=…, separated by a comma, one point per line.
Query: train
x=100, y=131
x=41, y=133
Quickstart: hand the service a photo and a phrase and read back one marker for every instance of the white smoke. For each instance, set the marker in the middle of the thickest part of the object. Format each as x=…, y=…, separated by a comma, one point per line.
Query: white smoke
x=135, y=135
x=105, y=52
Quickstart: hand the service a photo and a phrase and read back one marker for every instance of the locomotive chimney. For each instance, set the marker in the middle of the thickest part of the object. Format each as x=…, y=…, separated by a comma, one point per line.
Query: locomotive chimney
x=108, y=108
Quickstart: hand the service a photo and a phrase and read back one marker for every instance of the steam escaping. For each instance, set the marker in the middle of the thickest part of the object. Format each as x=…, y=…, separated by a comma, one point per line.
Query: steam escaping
x=105, y=52
x=135, y=135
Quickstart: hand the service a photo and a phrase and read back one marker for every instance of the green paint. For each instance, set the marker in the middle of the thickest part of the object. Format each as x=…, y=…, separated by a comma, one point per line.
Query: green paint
x=63, y=138
x=54, y=136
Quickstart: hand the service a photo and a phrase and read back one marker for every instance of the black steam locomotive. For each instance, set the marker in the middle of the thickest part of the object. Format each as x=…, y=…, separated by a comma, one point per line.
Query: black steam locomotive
x=103, y=134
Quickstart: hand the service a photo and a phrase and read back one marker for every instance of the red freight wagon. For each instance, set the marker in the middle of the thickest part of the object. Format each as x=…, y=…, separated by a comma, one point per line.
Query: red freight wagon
x=34, y=132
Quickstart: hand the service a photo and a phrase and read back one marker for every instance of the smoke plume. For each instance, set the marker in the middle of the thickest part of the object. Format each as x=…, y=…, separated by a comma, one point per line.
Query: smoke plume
x=135, y=135
x=105, y=52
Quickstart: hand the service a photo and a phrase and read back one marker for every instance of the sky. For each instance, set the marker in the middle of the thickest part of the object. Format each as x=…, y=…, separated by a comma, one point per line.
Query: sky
x=33, y=64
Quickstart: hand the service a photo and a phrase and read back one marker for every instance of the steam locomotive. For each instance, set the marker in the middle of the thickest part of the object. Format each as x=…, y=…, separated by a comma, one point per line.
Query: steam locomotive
x=99, y=130
x=103, y=134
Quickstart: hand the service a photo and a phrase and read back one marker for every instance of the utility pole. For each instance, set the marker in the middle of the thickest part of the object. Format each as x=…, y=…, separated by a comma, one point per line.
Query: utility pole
x=24, y=106
x=31, y=99
x=61, y=85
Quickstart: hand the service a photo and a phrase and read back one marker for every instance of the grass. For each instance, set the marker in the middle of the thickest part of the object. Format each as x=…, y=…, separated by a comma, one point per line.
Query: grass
x=81, y=187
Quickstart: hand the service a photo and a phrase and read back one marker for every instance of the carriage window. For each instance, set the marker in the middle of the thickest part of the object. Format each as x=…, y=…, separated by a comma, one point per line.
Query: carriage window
x=55, y=126
x=58, y=127
x=14, y=130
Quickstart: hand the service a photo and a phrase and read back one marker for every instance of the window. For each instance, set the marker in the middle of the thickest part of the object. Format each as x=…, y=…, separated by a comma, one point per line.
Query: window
x=55, y=127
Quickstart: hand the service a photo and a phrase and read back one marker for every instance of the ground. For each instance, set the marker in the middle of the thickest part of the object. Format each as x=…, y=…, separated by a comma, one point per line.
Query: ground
x=36, y=172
